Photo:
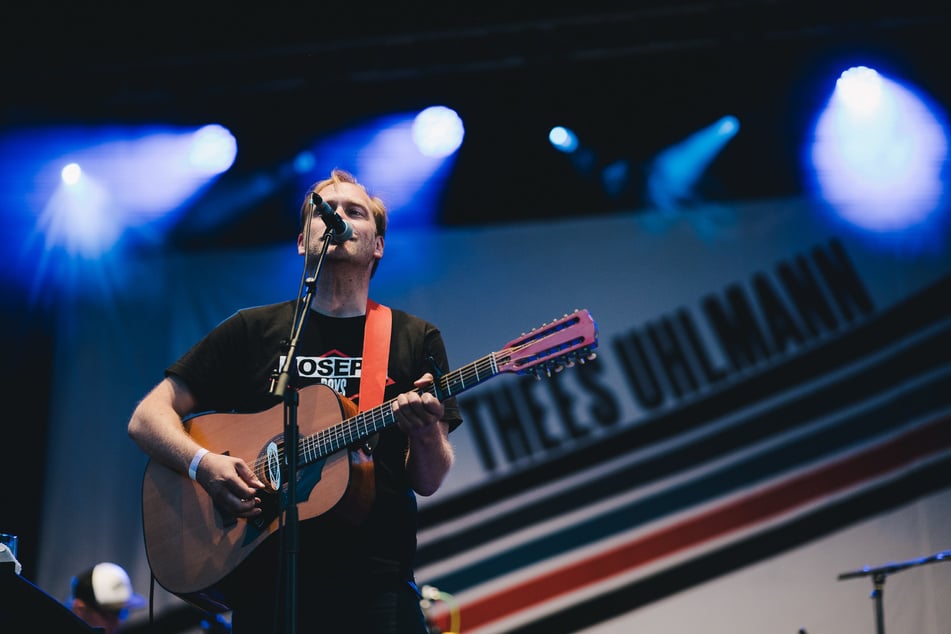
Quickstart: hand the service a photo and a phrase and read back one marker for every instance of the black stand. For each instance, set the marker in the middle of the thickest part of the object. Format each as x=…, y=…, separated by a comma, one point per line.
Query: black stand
x=280, y=388
x=878, y=575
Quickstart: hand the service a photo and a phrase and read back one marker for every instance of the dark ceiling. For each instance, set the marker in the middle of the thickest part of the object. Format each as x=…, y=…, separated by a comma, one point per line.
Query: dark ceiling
x=630, y=77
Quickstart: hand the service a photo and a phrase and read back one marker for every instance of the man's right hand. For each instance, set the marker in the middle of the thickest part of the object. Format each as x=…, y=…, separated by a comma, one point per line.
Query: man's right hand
x=231, y=484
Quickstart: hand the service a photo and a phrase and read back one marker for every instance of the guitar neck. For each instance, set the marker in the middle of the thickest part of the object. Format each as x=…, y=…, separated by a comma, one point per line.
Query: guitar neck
x=552, y=346
x=363, y=425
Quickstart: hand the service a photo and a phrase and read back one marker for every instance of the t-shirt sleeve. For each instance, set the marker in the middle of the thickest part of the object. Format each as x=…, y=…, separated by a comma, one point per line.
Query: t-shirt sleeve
x=210, y=366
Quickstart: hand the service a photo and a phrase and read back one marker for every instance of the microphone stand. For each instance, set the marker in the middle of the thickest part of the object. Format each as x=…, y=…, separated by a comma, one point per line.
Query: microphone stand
x=878, y=575
x=280, y=388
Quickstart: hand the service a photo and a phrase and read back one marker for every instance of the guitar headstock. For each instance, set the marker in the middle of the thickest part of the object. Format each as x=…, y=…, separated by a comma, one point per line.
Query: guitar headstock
x=552, y=346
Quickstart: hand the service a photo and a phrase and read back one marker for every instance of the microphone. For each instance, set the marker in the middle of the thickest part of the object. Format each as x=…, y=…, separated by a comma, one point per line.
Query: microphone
x=338, y=226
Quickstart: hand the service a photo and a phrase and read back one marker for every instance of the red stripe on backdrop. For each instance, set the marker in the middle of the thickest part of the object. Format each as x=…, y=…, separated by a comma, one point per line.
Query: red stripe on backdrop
x=757, y=507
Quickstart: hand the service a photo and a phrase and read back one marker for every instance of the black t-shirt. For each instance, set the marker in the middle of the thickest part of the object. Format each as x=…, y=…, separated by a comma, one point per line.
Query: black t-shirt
x=230, y=370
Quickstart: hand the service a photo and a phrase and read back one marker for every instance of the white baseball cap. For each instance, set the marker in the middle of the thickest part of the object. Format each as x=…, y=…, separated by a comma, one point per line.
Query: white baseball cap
x=107, y=587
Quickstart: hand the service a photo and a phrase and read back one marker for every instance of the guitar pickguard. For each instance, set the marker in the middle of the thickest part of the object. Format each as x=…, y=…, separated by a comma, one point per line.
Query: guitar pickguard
x=272, y=504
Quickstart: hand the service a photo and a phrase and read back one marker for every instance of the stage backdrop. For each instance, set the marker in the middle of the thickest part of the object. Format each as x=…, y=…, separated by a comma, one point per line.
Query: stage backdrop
x=768, y=410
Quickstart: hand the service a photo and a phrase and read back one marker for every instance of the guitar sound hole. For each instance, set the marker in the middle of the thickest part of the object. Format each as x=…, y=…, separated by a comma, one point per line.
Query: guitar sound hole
x=273, y=465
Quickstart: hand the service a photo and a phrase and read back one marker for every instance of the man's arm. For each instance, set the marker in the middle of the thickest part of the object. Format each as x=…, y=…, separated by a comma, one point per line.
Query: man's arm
x=419, y=415
x=156, y=424
x=156, y=427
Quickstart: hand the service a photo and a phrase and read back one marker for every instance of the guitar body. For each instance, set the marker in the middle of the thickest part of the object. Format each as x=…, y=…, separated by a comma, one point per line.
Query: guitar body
x=192, y=546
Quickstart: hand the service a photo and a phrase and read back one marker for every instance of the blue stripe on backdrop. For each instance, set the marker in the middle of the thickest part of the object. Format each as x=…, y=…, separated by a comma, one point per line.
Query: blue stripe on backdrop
x=763, y=545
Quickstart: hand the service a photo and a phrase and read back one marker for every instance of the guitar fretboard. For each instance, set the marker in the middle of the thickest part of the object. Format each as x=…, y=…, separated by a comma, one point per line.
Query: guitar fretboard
x=333, y=439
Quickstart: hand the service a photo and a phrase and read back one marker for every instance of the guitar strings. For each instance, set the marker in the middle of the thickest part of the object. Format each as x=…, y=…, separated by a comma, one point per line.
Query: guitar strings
x=328, y=441
x=332, y=439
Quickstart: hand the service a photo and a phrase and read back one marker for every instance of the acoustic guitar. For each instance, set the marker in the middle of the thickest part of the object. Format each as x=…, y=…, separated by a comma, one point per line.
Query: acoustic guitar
x=192, y=547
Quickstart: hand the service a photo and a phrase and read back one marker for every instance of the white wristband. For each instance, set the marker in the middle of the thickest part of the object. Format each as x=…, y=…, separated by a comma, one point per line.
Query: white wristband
x=193, y=467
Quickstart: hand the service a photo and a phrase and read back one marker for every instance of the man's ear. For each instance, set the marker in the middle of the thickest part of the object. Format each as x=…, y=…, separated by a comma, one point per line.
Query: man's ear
x=300, y=243
x=378, y=251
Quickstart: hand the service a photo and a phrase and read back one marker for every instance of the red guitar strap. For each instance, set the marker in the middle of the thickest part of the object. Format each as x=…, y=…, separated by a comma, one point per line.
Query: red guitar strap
x=376, y=355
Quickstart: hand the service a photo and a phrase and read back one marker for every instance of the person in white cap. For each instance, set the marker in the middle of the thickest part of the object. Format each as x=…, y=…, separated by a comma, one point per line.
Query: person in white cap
x=102, y=596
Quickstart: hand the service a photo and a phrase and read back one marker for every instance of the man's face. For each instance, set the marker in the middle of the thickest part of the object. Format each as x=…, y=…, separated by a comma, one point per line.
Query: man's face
x=351, y=203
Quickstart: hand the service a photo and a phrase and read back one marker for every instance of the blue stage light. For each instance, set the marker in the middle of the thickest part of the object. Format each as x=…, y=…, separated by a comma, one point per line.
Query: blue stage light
x=675, y=171
x=213, y=149
x=438, y=131
x=878, y=152
x=563, y=139
x=79, y=191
